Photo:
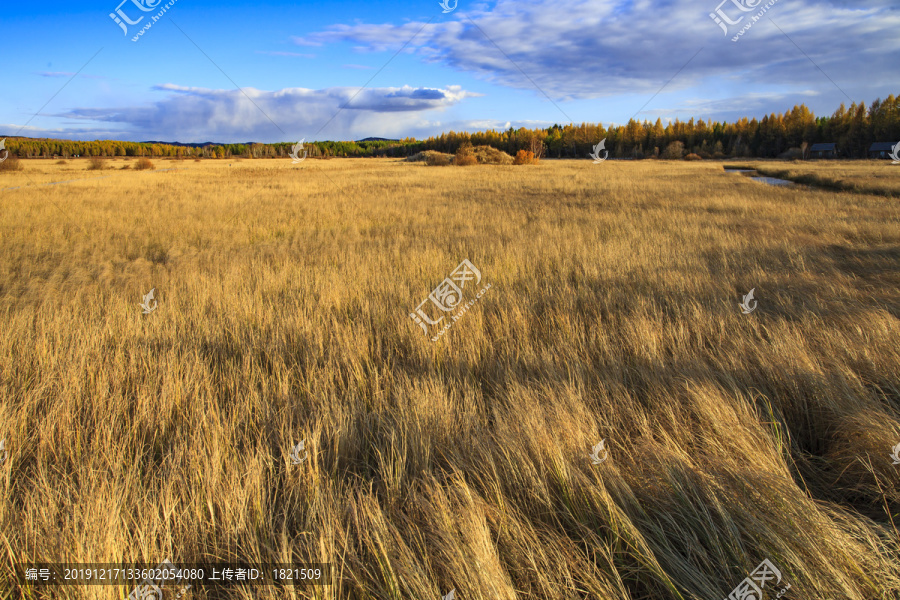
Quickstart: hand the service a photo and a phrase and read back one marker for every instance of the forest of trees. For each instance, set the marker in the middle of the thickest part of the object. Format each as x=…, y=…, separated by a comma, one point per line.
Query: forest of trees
x=853, y=129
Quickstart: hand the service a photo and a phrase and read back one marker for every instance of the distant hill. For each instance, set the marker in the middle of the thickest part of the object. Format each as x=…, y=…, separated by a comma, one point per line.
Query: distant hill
x=376, y=139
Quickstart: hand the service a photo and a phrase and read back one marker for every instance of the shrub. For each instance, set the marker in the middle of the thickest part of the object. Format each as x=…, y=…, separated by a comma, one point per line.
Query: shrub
x=524, y=157
x=143, y=164
x=197, y=160
x=437, y=159
x=488, y=155
x=11, y=163
x=693, y=157
x=465, y=156
x=61, y=162
x=96, y=164
x=430, y=158
x=674, y=151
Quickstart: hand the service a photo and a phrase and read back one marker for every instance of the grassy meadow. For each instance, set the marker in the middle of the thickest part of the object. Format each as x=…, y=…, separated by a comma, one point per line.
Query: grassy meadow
x=284, y=294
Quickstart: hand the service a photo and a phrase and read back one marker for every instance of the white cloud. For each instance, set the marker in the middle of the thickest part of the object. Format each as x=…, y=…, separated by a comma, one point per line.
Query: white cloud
x=598, y=48
x=192, y=114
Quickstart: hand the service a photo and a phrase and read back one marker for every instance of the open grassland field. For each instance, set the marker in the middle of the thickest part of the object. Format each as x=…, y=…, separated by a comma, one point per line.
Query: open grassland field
x=284, y=299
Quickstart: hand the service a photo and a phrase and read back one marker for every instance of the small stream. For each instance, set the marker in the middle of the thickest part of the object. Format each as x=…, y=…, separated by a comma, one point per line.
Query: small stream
x=753, y=174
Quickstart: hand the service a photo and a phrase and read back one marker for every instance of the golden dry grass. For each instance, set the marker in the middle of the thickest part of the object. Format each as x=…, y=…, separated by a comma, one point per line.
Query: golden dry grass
x=284, y=298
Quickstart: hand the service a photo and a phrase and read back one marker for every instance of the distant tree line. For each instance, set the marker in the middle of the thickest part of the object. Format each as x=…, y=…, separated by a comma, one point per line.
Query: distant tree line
x=853, y=130
x=53, y=148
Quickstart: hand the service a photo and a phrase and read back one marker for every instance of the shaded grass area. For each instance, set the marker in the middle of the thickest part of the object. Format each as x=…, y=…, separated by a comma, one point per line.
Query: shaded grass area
x=878, y=178
x=284, y=298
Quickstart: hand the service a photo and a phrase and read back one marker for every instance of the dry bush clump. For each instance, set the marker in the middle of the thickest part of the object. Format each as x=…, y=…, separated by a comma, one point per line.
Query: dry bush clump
x=95, y=163
x=439, y=159
x=465, y=156
x=431, y=158
x=284, y=316
x=488, y=155
x=693, y=156
x=417, y=157
x=12, y=163
x=61, y=162
x=143, y=164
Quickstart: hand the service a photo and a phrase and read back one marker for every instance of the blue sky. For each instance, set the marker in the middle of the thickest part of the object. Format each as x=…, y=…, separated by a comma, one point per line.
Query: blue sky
x=69, y=70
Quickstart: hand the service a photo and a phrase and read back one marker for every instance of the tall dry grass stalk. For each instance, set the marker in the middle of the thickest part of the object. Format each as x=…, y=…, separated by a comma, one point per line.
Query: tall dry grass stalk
x=284, y=293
